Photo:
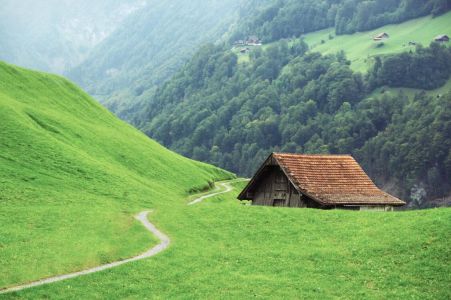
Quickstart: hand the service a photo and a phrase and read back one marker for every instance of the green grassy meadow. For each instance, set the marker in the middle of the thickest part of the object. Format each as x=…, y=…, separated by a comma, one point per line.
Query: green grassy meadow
x=359, y=47
x=73, y=176
x=223, y=249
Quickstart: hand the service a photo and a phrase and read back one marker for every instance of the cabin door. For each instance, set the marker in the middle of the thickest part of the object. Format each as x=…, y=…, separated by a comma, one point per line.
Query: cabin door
x=279, y=202
x=280, y=189
x=280, y=182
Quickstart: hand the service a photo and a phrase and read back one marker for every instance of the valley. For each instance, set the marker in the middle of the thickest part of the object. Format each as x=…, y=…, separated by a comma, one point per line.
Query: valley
x=55, y=36
x=124, y=183
x=160, y=44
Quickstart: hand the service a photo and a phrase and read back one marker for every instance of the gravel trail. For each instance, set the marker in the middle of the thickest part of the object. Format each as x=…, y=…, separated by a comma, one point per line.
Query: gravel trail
x=226, y=188
x=222, y=188
x=142, y=217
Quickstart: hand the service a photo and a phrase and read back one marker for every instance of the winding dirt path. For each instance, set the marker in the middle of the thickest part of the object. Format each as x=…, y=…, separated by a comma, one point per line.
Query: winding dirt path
x=142, y=217
x=225, y=185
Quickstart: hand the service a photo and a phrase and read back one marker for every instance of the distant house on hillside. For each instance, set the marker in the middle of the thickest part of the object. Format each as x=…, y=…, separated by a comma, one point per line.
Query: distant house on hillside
x=253, y=40
x=441, y=38
x=381, y=36
x=250, y=41
x=316, y=181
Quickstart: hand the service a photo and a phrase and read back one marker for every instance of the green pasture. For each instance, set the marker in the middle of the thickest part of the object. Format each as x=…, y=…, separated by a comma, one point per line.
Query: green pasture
x=360, y=47
x=73, y=176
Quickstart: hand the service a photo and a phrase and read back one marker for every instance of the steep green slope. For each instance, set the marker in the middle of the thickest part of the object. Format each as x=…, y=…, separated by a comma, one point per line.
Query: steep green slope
x=360, y=47
x=225, y=250
x=149, y=48
x=72, y=176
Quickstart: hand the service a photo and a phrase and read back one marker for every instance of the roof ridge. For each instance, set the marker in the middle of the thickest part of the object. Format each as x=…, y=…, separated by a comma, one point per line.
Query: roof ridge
x=314, y=154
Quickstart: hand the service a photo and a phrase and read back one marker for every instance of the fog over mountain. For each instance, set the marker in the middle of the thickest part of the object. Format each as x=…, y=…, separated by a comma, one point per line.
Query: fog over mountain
x=150, y=47
x=55, y=35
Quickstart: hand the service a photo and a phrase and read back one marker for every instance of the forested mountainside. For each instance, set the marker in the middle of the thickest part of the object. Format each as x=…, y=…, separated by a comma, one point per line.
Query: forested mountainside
x=291, y=18
x=151, y=47
x=233, y=112
x=233, y=115
x=56, y=35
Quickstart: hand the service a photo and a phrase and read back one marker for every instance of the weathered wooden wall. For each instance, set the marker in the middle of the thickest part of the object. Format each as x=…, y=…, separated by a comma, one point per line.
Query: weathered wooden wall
x=276, y=190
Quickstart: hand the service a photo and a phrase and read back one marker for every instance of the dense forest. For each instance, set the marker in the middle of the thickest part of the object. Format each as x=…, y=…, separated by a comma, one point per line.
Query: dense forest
x=288, y=99
x=292, y=18
x=284, y=97
x=161, y=39
x=426, y=68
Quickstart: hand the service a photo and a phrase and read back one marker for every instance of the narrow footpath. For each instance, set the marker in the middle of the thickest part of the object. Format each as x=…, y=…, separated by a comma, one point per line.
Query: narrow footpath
x=221, y=188
x=226, y=187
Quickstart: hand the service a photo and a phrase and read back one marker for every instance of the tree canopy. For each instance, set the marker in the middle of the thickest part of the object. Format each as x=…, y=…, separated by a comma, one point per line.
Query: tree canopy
x=274, y=20
x=287, y=99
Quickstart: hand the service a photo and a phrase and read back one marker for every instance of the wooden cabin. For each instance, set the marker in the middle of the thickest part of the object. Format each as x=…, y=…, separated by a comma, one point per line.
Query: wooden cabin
x=442, y=38
x=316, y=181
x=381, y=36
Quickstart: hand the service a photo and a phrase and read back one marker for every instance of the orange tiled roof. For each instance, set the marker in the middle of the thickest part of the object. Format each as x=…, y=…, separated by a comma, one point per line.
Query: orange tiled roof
x=333, y=179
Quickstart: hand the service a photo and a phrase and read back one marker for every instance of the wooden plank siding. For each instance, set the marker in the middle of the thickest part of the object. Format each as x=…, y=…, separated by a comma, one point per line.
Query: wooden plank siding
x=276, y=190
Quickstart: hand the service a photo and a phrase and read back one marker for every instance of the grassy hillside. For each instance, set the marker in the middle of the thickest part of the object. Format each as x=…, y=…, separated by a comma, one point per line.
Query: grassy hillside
x=360, y=46
x=72, y=176
x=222, y=249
